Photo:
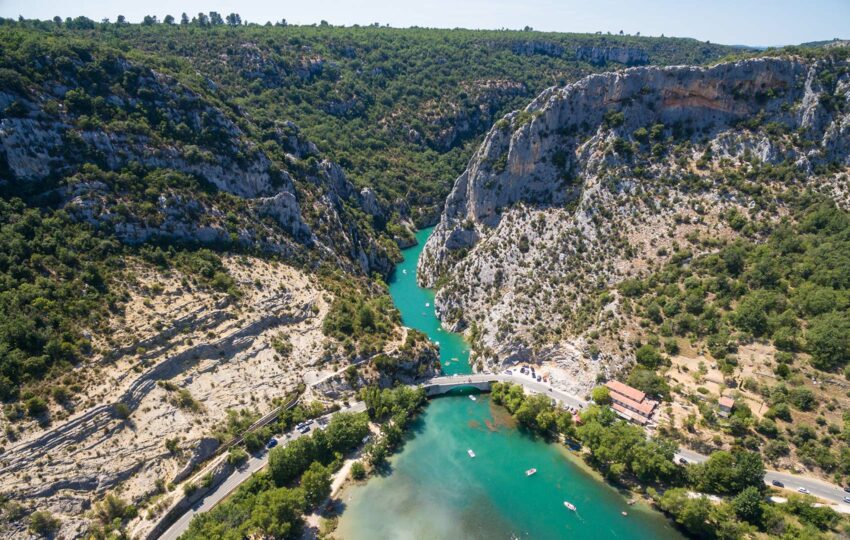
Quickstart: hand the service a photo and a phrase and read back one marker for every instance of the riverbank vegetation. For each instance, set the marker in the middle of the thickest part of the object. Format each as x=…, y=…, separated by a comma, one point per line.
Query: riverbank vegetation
x=272, y=502
x=298, y=478
x=394, y=409
x=723, y=498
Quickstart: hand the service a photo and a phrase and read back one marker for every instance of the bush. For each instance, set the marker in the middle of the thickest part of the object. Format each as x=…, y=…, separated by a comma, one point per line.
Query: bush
x=648, y=356
x=36, y=406
x=236, y=456
x=43, y=523
x=828, y=341
x=358, y=471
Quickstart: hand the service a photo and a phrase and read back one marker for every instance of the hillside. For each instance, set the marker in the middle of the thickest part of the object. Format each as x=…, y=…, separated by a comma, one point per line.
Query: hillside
x=196, y=221
x=705, y=208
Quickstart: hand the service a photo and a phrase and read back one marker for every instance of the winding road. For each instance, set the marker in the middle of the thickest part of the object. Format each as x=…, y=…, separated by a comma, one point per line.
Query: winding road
x=254, y=464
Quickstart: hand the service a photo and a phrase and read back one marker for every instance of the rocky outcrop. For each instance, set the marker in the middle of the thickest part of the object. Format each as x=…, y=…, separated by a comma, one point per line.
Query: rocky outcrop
x=243, y=193
x=561, y=198
x=600, y=56
x=532, y=47
x=535, y=156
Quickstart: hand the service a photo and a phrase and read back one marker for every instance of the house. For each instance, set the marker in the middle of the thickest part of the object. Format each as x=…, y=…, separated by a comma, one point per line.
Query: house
x=630, y=403
x=725, y=405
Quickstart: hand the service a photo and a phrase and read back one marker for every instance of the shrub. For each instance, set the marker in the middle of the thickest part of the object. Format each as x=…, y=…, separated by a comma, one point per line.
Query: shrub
x=43, y=523
x=358, y=471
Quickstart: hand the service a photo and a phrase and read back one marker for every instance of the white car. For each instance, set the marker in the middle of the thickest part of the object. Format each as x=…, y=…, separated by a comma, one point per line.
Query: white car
x=803, y=490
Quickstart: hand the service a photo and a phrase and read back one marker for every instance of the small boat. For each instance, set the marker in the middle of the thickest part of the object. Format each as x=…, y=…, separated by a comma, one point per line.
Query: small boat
x=570, y=506
x=625, y=513
x=473, y=398
x=403, y=270
x=470, y=452
x=529, y=472
x=427, y=304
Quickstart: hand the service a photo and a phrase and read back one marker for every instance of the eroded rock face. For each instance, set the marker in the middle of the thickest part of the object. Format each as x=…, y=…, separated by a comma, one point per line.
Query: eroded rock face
x=53, y=148
x=600, y=56
x=571, y=195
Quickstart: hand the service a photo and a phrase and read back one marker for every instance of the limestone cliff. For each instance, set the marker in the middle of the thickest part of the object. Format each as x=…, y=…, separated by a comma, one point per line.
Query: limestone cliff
x=213, y=182
x=596, y=181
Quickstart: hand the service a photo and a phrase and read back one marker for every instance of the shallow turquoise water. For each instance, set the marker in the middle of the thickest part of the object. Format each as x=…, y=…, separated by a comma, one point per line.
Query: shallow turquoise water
x=434, y=490
x=416, y=305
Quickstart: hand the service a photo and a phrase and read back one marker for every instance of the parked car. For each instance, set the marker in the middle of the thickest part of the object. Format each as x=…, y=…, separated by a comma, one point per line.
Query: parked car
x=304, y=429
x=777, y=483
x=847, y=500
x=847, y=489
x=803, y=490
x=683, y=461
x=272, y=443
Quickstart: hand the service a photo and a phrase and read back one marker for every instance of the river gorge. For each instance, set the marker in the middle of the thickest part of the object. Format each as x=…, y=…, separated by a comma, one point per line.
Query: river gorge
x=433, y=489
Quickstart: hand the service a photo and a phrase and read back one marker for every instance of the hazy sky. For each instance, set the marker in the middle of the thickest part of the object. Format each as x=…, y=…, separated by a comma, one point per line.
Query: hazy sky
x=751, y=22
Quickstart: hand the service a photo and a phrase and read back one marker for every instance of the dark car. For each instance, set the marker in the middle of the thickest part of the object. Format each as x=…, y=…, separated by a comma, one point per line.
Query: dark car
x=847, y=489
x=272, y=443
x=777, y=483
x=683, y=461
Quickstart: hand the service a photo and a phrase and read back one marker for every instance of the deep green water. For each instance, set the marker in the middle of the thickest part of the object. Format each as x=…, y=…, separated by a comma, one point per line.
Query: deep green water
x=434, y=490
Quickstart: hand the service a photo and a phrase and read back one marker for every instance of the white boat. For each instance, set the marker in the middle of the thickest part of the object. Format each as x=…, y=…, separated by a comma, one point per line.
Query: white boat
x=570, y=506
x=427, y=304
x=403, y=271
x=470, y=452
x=529, y=472
x=473, y=398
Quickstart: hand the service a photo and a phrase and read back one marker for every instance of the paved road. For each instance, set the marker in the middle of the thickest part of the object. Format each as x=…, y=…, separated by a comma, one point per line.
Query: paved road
x=254, y=464
x=818, y=488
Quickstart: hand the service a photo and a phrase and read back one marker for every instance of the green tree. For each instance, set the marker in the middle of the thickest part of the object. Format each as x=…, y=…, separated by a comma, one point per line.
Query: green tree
x=828, y=340
x=601, y=395
x=748, y=505
x=316, y=483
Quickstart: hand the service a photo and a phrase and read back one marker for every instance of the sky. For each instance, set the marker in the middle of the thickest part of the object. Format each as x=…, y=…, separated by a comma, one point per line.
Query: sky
x=731, y=22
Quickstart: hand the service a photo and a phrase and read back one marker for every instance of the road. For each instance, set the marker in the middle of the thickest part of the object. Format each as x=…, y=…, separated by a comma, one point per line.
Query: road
x=818, y=488
x=254, y=464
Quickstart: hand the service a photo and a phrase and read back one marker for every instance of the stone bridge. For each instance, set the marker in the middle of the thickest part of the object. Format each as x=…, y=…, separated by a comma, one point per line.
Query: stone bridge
x=438, y=386
x=441, y=385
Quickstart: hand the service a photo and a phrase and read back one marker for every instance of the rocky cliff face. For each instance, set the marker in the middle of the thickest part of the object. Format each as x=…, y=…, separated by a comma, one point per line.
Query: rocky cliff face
x=600, y=56
x=599, y=179
x=79, y=143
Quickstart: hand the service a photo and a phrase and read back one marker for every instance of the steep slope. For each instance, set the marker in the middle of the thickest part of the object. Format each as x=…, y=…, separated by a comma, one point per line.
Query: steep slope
x=604, y=179
x=135, y=151
x=400, y=109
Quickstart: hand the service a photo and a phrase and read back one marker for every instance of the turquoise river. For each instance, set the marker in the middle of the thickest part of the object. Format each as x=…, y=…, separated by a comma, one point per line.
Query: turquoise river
x=434, y=490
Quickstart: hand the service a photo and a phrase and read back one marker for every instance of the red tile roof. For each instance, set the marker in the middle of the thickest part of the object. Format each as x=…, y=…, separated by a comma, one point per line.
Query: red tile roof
x=726, y=402
x=629, y=414
x=645, y=407
x=626, y=390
